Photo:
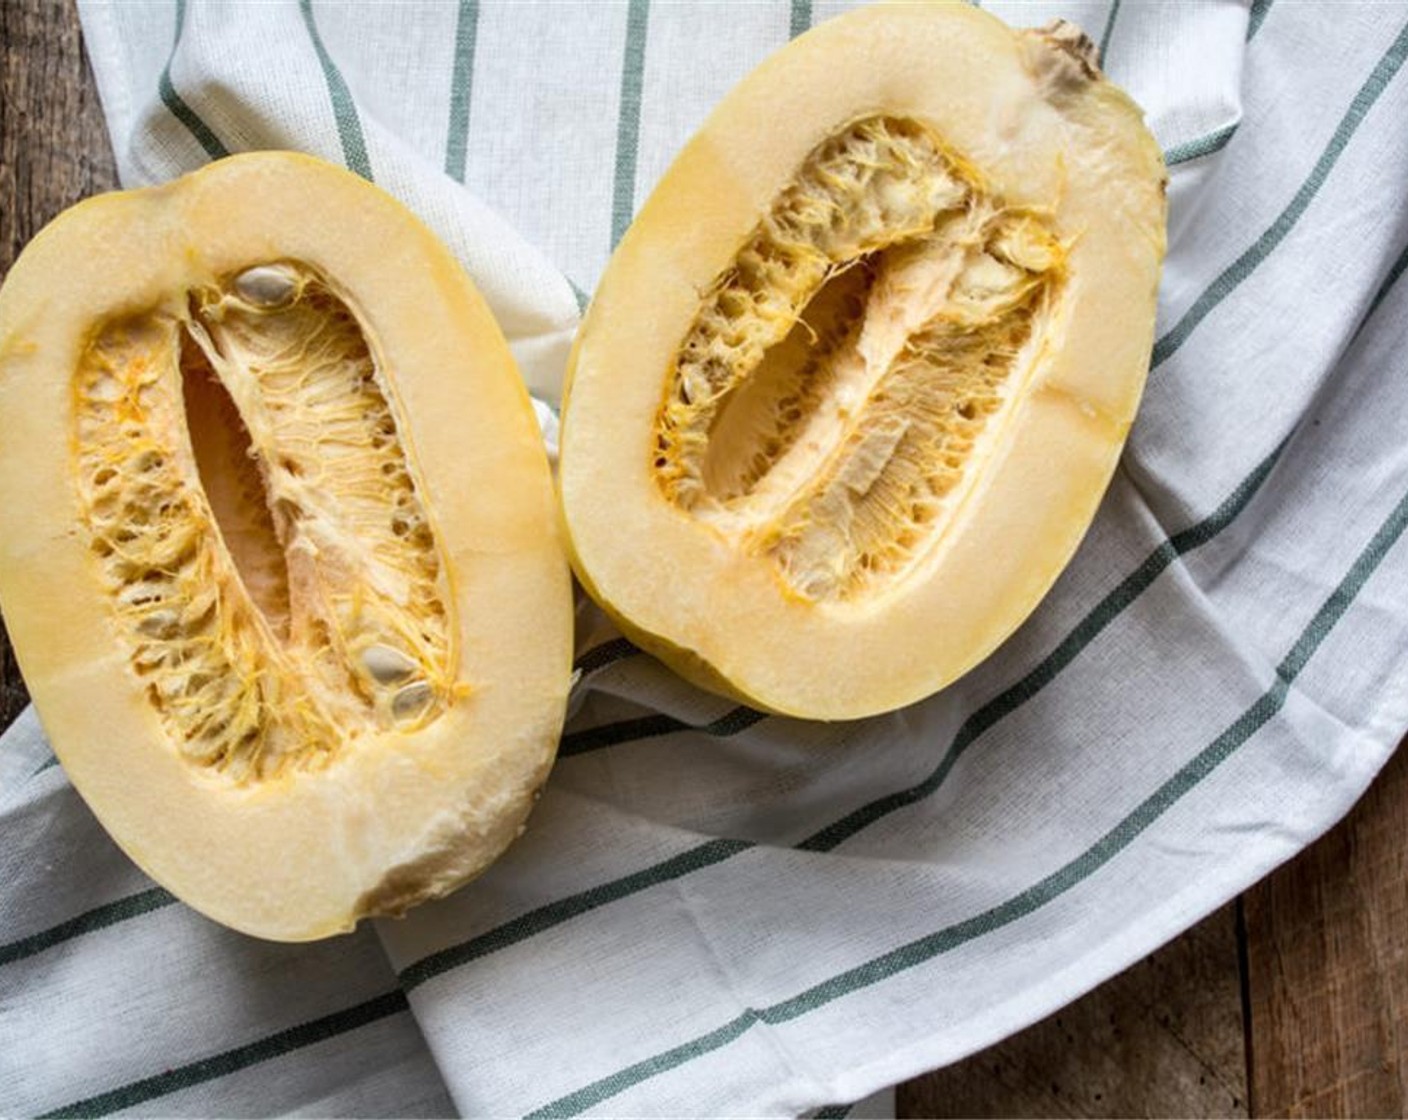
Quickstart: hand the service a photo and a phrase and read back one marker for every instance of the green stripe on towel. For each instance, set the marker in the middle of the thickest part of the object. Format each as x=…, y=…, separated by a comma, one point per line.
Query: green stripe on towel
x=801, y=18
x=344, y=109
x=177, y=106
x=554, y=914
x=1109, y=30
x=1390, y=279
x=232, y=1061
x=1199, y=146
x=1255, y=17
x=144, y=902
x=733, y=722
x=1232, y=276
x=461, y=89
x=628, y=118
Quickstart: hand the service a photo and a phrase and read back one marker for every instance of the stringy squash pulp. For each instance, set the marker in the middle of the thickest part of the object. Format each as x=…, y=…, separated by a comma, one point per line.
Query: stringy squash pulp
x=856, y=378
x=278, y=554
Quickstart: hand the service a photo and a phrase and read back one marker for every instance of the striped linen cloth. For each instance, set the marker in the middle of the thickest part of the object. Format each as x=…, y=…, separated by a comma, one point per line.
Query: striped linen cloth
x=720, y=913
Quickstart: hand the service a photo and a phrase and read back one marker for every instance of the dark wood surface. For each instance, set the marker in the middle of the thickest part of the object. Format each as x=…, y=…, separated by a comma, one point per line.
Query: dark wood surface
x=1293, y=1002
x=53, y=152
x=1164, y=1038
x=1327, y=967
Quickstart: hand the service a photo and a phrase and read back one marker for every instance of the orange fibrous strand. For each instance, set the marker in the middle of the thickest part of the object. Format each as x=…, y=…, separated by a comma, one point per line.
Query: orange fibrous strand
x=827, y=400
x=253, y=511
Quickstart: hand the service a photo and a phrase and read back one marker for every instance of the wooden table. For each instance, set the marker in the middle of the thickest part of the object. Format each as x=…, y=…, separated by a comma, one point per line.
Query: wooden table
x=1292, y=1001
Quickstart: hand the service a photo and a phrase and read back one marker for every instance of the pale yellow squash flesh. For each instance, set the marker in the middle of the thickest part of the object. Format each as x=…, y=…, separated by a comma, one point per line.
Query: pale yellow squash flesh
x=278, y=550
x=857, y=376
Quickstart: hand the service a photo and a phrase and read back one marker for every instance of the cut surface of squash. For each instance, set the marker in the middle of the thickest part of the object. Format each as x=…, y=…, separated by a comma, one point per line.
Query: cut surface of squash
x=279, y=556
x=857, y=376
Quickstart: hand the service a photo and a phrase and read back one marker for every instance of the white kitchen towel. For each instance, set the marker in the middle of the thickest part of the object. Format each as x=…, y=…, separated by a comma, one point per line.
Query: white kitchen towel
x=717, y=912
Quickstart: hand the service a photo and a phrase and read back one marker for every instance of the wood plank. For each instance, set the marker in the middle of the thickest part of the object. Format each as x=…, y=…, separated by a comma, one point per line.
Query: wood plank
x=1327, y=955
x=1164, y=1038
x=54, y=151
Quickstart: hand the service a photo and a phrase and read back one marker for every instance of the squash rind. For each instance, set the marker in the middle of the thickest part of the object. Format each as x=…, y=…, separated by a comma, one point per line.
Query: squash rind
x=1042, y=132
x=399, y=816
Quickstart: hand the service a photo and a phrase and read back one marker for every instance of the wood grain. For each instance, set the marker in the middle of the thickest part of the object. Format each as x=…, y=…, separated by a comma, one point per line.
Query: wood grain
x=1327, y=956
x=1164, y=1038
x=54, y=151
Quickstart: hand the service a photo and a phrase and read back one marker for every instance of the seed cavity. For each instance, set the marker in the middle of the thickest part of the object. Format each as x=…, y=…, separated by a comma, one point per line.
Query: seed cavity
x=253, y=509
x=835, y=392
